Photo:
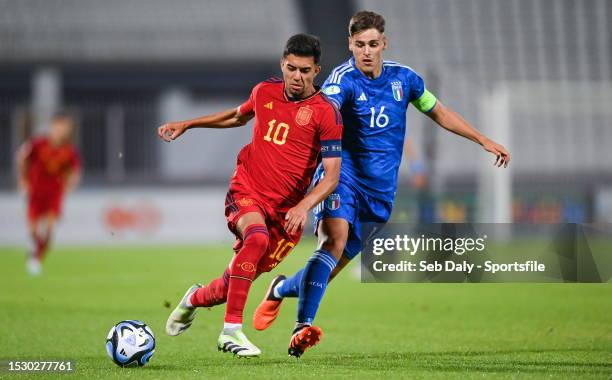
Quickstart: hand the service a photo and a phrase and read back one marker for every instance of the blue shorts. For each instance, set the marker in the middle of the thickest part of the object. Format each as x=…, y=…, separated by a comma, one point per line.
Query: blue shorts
x=364, y=214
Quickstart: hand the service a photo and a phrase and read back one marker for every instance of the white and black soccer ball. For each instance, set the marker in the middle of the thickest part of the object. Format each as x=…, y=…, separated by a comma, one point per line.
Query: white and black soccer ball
x=130, y=343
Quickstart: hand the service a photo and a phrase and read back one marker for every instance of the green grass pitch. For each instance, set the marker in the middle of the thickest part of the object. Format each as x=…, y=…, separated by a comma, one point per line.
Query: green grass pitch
x=370, y=330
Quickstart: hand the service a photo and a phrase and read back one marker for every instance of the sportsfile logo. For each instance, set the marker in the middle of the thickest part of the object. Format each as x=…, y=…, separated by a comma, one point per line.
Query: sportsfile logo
x=409, y=245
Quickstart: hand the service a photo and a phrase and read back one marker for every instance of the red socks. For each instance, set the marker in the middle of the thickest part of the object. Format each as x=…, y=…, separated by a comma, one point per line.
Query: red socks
x=41, y=248
x=233, y=286
x=215, y=293
x=243, y=270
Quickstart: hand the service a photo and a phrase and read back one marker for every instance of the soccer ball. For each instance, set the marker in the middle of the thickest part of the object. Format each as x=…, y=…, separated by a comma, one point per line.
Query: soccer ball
x=130, y=343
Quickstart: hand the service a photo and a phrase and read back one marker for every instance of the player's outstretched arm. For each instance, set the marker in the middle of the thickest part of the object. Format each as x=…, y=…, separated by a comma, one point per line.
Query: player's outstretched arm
x=21, y=160
x=225, y=119
x=296, y=216
x=73, y=180
x=452, y=121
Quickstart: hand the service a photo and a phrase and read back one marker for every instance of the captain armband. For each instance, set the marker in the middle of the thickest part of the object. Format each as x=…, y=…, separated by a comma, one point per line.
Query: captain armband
x=425, y=102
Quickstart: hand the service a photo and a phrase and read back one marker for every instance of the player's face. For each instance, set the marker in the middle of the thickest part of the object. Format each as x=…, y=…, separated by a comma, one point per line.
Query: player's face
x=61, y=130
x=298, y=75
x=367, y=47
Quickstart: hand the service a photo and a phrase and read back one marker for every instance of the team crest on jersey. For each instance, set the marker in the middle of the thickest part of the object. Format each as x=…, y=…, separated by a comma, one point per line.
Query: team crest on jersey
x=398, y=91
x=332, y=202
x=303, y=116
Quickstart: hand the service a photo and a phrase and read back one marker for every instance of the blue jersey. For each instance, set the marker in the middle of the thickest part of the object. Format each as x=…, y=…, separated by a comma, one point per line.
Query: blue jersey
x=374, y=116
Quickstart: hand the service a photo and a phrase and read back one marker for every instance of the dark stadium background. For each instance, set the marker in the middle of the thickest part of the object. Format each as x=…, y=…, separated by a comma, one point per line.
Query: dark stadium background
x=123, y=67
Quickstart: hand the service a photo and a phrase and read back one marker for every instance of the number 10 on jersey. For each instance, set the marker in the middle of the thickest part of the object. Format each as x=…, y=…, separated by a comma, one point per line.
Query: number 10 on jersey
x=279, y=131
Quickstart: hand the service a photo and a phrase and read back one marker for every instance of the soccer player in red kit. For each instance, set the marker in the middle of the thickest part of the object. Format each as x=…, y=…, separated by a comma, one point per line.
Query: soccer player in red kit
x=266, y=206
x=47, y=168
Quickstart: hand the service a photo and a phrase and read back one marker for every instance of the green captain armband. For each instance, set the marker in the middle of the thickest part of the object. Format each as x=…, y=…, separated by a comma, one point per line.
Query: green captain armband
x=426, y=102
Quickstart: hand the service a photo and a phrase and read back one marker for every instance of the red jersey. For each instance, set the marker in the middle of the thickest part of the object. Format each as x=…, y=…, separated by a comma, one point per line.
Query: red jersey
x=48, y=166
x=288, y=137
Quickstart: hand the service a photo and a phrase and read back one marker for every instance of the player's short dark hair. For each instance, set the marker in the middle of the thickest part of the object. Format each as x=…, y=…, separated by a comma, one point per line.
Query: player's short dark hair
x=303, y=45
x=62, y=115
x=364, y=20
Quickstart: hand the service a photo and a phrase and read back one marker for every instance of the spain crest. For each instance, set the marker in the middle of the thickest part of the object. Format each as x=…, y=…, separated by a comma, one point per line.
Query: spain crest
x=303, y=115
x=398, y=91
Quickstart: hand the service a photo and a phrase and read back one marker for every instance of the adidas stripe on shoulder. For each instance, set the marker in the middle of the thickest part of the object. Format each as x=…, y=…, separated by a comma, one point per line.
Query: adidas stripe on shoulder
x=339, y=72
x=396, y=64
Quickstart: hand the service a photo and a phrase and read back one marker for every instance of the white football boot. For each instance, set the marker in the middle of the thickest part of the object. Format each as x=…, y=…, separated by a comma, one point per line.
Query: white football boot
x=33, y=266
x=237, y=343
x=182, y=316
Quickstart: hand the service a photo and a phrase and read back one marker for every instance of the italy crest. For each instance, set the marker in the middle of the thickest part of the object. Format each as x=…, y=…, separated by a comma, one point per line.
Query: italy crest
x=332, y=202
x=398, y=91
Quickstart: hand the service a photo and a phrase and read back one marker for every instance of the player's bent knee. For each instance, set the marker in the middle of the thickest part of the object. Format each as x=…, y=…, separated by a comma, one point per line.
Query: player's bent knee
x=257, y=239
x=333, y=234
x=333, y=245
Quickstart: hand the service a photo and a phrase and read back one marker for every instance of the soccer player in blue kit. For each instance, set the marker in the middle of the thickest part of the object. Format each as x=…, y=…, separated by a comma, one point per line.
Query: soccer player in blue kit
x=373, y=96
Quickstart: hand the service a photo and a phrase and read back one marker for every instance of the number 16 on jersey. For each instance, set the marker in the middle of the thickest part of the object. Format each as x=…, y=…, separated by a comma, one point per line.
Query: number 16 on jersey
x=381, y=120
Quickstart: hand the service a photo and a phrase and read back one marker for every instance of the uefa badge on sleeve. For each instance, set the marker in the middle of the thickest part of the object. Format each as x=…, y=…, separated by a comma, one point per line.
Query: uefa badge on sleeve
x=398, y=91
x=332, y=202
x=331, y=90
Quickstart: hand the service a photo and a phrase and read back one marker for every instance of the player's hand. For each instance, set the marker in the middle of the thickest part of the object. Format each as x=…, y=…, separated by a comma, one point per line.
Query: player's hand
x=171, y=131
x=502, y=155
x=295, y=219
x=23, y=186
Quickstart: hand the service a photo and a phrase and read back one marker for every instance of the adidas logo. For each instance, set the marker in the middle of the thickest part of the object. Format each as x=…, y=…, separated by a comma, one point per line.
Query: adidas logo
x=362, y=97
x=268, y=105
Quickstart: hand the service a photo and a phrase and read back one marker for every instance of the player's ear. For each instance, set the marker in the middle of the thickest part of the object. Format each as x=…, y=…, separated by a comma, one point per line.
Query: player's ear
x=350, y=43
x=384, y=39
x=317, y=70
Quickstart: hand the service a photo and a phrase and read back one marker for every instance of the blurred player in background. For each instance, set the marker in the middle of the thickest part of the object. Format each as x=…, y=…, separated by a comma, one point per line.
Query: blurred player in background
x=48, y=167
x=419, y=181
x=373, y=96
x=266, y=206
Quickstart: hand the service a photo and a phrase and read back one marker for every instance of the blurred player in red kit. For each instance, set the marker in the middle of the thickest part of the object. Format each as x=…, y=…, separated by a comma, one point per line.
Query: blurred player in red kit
x=48, y=167
x=266, y=206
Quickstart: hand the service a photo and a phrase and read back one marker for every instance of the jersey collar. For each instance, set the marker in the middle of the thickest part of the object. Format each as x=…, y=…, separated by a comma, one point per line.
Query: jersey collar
x=296, y=100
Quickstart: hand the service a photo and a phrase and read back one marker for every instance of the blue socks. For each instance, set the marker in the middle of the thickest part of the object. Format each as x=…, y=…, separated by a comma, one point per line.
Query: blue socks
x=290, y=287
x=313, y=283
x=309, y=284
